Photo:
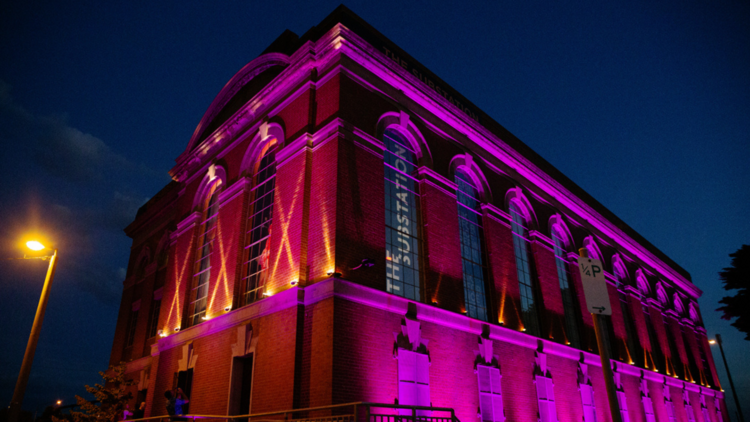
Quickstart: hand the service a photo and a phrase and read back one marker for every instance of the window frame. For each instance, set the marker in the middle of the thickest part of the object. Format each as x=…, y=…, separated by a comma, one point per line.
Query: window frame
x=493, y=397
x=525, y=270
x=474, y=267
x=404, y=183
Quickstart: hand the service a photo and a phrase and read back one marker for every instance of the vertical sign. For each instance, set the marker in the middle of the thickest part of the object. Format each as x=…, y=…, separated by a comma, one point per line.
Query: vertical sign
x=594, y=286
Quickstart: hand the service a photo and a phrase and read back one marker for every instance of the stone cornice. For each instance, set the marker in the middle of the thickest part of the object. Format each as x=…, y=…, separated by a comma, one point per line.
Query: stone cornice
x=185, y=225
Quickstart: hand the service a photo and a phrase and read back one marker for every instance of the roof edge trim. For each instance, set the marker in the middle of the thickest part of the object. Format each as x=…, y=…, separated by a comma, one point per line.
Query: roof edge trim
x=240, y=79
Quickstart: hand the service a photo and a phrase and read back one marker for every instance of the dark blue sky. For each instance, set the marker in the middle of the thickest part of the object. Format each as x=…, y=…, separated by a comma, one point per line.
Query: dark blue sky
x=646, y=106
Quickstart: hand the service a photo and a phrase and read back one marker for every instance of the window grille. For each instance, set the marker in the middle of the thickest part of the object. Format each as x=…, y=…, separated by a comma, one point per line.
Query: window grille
x=529, y=311
x=259, y=228
x=472, y=256
x=490, y=394
x=570, y=303
x=199, y=291
x=402, y=222
x=546, y=397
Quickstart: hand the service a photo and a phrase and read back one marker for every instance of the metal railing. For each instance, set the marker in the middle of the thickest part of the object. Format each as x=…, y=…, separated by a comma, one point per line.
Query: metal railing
x=348, y=412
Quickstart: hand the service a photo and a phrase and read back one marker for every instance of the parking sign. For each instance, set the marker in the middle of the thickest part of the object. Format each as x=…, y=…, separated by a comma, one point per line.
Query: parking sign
x=594, y=286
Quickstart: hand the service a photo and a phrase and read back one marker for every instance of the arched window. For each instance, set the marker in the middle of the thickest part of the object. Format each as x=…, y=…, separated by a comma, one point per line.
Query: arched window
x=199, y=288
x=259, y=228
x=401, y=217
x=570, y=304
x=529, y=311
x=472, y=256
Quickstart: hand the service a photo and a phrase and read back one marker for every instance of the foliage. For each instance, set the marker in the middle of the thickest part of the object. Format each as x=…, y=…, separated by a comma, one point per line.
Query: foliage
x=737, y=277
x=111, y=398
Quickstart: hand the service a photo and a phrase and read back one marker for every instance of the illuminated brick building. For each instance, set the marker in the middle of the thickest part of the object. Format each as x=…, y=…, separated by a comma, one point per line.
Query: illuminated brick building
x=343, y=226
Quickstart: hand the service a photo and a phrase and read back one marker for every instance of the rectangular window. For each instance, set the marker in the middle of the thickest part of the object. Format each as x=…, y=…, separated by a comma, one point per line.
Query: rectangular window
x=669, y=405
x=490, y=394
x=413, y=380
x=648, y=408
x=717, y=406
x=706, y=416
x=546, y=396
x=184, y=380
x=623, y=404
x=589, y=406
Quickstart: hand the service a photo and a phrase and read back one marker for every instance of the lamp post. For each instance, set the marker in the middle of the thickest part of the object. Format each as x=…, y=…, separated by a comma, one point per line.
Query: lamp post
x=729, y=375
x=36, y=328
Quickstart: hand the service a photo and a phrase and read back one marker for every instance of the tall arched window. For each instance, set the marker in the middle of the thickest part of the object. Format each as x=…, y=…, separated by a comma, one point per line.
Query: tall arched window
x=470, y=227
x=199, y=288
x=259, y=228
x=570, y=304
x=529, y=311
x=401, y=217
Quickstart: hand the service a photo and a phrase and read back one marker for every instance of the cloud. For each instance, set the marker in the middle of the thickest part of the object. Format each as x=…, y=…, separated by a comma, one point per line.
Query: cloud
x=59, y=149
x=122, y=210
x=72, y=188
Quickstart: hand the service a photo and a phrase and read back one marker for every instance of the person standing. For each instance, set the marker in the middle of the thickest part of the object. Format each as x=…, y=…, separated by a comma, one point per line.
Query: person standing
x=181, y=400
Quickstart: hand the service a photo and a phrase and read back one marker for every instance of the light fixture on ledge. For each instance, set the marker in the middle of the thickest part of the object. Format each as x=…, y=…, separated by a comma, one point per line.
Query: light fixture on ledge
x=176, y=329
x=227, y=308
x=294, y=282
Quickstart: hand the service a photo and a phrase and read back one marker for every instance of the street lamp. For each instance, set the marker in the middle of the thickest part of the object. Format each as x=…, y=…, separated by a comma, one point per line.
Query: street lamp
x=731, y=384
x=36, y=328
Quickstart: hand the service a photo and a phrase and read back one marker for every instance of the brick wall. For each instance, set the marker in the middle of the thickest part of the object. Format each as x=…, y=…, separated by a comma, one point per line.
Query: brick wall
x=360, y=219
x=273, y=378
x=639, y=322
x=519, y=391
x=287, y=229
x=441, y=248
x=588, y=337
x=227, y=256
x=567, y=396
x=321, y=241
x=364, y=366
x=553, y=324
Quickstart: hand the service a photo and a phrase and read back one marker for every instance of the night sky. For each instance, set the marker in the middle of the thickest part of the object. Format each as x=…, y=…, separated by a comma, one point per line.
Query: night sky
x=646, y=106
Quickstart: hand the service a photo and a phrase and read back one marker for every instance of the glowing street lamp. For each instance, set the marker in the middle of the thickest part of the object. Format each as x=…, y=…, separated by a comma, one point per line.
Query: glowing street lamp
x=36, y=328
x=731, y=384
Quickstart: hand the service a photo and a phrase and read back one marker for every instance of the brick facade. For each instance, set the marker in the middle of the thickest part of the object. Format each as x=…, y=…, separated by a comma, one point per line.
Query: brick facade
x=325, y=330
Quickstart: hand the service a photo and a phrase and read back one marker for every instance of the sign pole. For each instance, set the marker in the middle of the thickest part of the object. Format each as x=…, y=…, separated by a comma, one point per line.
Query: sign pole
x=599, y=327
